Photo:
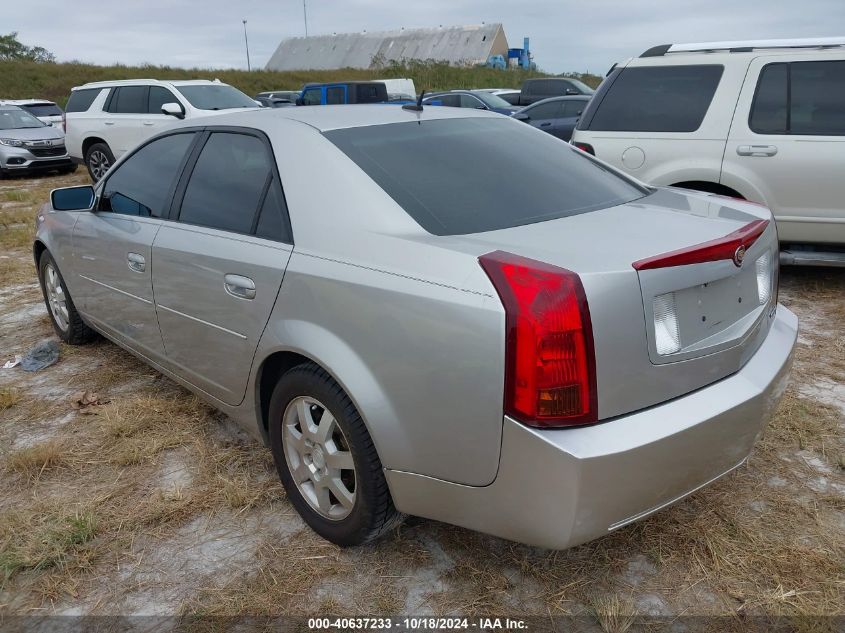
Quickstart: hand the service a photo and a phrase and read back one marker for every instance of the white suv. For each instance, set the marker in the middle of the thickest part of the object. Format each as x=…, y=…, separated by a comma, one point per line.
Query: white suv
x=105, y=119
x=764, y=121
x=45, y=111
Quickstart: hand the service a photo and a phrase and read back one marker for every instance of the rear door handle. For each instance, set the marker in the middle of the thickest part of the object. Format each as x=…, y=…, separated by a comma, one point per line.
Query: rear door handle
x=546, y=124
x=239, y=286
x=109, y=122
x=149, y=123
x=756, y=150
x=136, y=262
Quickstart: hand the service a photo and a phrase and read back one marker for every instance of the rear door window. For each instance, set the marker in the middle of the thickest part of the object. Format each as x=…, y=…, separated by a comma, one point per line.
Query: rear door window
x=128, y=100
x=657, y=99
x=227, y=183
x=81, y=100
x=770, y=107
x=142, y=184
x=446, y=174
x=335, y=95
x=550, y=110
x=573, y=108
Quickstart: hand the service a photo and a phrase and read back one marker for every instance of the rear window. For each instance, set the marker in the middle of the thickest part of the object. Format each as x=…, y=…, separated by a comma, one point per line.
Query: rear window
x=458, y=176
x=81, y=100
x=43, y=109
x=657, y=99
x=370, y=93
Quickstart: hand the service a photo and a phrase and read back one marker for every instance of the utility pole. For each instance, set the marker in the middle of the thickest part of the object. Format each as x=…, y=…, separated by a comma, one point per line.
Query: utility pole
x=246, y=41
x=305, y=14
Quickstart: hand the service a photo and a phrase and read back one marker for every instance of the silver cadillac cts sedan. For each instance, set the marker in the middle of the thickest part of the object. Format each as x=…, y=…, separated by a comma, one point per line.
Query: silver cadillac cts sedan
x=443, y=313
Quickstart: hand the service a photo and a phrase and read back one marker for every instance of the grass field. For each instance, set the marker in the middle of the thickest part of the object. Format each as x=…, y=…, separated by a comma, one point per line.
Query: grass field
x=22, y=80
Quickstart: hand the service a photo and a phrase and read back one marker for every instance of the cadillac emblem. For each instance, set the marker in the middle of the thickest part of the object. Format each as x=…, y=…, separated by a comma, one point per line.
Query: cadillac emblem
x=739, y=255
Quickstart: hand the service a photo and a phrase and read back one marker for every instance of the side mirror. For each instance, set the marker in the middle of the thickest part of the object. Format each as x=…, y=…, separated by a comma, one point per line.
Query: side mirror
x=73, y=198
x=521, y=116
x=173, y=109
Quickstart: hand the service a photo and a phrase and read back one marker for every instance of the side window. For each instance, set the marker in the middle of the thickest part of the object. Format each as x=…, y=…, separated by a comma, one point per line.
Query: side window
x=311, y=97
x=468, y=101
x=141, y=185
x=81, y=100
x=227, y=183
x=271, y=220
x=335, y=95
x=549, y=110
x=817, y=98
x=657, y=99
x=129, y=100
x=769, y=110
x=573, y=108
x=452, y=101
x=158, y=97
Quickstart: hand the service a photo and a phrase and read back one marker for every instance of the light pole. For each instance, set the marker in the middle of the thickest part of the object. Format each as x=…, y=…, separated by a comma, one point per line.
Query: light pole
x=305, y=15
x=246, y=41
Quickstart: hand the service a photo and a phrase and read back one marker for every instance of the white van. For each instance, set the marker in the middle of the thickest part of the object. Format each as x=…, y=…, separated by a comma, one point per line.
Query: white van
x=762, y=120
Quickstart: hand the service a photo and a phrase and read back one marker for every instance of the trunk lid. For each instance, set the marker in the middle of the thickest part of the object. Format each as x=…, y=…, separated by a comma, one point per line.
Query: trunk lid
x=662, y=332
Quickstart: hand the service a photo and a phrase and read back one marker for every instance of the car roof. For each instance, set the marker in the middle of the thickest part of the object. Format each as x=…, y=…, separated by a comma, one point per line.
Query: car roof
x=150, y=82
x=334, y=117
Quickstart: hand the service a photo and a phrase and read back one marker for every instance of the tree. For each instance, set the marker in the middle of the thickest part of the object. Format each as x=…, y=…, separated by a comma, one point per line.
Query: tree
x=11, y=49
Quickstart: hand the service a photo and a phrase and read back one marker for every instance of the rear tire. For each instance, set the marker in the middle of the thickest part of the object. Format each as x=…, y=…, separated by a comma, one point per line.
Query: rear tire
x=326, y=459
x=98, y=159
x=66, y=320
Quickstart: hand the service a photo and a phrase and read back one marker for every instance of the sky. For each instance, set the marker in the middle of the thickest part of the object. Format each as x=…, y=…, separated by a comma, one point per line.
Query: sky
x=588, y=35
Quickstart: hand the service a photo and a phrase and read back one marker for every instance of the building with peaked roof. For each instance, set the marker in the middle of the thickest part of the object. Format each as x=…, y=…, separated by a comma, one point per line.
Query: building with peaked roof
x=458, y=45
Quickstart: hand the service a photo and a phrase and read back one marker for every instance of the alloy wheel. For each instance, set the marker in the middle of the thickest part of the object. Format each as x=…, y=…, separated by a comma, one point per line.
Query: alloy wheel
x=99, y=163
x=56, y=298
x=318, y=458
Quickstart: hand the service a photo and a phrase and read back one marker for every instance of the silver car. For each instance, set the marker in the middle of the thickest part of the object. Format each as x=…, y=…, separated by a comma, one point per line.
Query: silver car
x=544, y=354
x=28, y=145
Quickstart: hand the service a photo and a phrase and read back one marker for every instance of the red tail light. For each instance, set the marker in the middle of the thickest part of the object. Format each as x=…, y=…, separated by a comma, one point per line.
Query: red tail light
x=584, y=147
x=550, y=366
x=732, y=246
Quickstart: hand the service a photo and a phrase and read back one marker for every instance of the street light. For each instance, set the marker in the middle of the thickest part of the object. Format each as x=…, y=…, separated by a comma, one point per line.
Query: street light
x=305, y=15
x=246, y=41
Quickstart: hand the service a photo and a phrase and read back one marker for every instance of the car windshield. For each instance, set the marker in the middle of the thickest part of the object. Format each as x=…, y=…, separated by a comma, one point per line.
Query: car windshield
x=492, y=101
x=448, y=174
x=215, y=97
x=43, y=109
x=17, y=119
x=584, y=88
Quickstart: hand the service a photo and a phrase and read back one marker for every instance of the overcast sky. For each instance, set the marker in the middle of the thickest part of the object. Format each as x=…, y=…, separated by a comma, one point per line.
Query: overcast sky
x=588, y=35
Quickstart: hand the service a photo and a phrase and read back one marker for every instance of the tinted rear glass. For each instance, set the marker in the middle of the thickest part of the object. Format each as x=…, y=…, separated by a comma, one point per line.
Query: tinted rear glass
x=215, y=97
x=768, y=113
x=657, y=99
x=129, y=100
x=43, y=109
x=371, y=93
x=81, y=100
x=458, y=176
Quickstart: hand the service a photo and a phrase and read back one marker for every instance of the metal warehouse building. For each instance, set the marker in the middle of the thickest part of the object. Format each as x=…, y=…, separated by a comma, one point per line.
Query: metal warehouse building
x=453, y=44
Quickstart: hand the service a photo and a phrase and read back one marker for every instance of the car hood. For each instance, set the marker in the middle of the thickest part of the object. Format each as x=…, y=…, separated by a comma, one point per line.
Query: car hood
x=33, y=134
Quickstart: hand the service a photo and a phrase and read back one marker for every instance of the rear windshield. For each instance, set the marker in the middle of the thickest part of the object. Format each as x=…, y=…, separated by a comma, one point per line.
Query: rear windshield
x=461, y=176
x=81, y=100
x=215, y=97
x=655, y=99
x=43, y=109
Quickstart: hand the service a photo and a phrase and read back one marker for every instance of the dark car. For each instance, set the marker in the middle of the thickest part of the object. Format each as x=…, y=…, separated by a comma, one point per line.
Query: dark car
x=478, y=99
x=557, y=115
x=534, y=90
x=343, y=92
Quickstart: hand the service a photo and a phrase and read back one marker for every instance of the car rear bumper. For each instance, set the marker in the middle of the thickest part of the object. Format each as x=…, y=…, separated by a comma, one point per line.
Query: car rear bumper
x=563, y=487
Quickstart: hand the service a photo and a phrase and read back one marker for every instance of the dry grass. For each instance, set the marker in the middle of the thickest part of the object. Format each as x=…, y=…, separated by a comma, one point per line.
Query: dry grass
x=615, y=614
x=9, y=397
x=33, y=461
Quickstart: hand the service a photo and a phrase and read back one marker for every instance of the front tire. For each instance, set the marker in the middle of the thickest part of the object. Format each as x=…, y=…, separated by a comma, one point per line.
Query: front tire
x=66, y=320
x=326, y=459
x=98, y=159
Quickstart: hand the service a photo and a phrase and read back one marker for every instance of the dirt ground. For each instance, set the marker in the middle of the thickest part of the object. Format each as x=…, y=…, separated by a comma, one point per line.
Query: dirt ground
x=152, y=503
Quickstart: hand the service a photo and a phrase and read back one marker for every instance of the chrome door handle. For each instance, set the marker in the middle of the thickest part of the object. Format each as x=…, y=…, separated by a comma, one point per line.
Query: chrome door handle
x=149, y=123
x=136, y=262
x=756, y=150
x=109, y=122
x=239, y=286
